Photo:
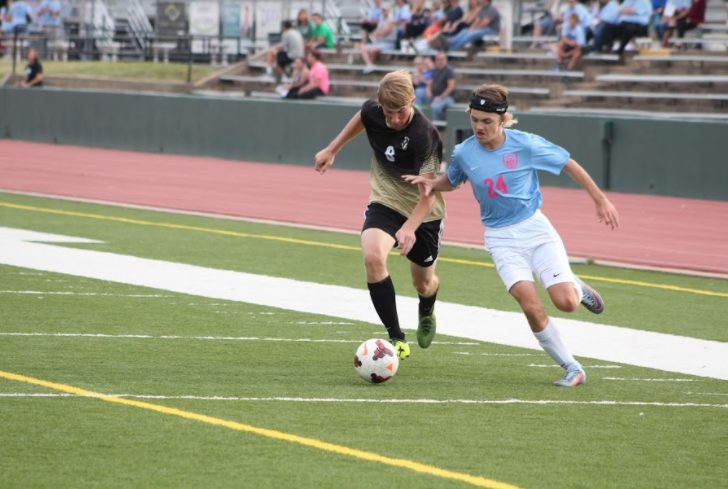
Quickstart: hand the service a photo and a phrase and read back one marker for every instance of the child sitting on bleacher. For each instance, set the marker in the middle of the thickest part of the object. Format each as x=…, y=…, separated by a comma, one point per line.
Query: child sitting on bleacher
x=572, y=44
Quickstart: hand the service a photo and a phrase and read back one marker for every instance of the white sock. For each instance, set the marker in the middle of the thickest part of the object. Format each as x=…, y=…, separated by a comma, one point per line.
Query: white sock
x=550, y=341
x=579, y=290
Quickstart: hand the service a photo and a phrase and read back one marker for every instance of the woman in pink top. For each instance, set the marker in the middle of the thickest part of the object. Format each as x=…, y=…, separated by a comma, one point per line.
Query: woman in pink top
x=318, y=81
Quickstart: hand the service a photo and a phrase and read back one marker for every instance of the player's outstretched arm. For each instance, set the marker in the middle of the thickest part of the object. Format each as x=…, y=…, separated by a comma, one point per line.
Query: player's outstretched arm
x=325, y=158
x=441, y=184
x=606, y=212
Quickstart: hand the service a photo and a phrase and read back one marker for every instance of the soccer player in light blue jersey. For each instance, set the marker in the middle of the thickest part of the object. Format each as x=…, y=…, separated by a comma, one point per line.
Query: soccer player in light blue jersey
x=501, y=166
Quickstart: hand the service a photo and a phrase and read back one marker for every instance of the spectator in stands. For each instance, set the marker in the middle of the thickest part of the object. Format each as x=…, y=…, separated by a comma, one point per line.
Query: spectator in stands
x=16, y=17
x=318, y=81
x=370, y=22
x=550, y=23
x=451, y=28
x=453, y=13
x=574, y=7
x=658, y=28
x=49, y=18
x=502, y=166
x=634, y=17
x=402, y=15
x=487, y=23
x=424, y=67
x=683, y=21
x=33, y=71
x=321, y=34
x=439, y=91
x=383, y=38
x=606, y=15
x=303, y=25
x=674, y=11
x=291, y=48
x=419, y=21
x=571, y=45
x=437, y=12
x=299, y=78
x=465, y=20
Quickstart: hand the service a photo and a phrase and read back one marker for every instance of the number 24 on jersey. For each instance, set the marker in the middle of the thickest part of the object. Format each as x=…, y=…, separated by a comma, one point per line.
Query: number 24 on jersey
x=500, y=184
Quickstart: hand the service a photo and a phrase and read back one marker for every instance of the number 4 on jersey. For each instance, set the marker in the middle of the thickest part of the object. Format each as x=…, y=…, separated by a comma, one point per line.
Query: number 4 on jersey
x=499, y=185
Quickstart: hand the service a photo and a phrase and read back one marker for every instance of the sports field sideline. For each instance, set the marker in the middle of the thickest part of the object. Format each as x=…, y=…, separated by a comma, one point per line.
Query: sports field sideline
x=224, y=351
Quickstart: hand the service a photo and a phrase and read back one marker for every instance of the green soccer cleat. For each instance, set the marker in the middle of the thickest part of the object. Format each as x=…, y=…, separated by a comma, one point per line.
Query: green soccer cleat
x=401, y=347
x=426, y=330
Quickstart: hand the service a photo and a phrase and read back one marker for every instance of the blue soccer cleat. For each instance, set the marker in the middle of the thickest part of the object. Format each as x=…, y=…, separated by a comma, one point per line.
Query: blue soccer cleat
x=590, y=298
x=573, y=377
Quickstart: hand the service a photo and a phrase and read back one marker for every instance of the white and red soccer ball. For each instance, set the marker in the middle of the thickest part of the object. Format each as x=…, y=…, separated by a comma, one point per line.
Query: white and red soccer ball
x=376, y=361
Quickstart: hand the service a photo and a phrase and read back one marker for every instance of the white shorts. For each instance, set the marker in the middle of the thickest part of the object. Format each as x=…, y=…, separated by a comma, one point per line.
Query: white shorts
x=531, y=246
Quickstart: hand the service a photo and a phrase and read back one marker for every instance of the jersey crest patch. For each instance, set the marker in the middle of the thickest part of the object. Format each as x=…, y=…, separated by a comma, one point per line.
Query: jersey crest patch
x=510, y=160
x=405, y=143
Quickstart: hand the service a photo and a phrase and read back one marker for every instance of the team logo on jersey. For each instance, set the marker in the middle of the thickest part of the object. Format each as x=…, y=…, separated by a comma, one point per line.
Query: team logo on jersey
x=510, y=160
x=405, y=143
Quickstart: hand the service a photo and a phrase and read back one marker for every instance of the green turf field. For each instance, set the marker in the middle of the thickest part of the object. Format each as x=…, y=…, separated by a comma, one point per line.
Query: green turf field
x=123, y=70
x=204, y=378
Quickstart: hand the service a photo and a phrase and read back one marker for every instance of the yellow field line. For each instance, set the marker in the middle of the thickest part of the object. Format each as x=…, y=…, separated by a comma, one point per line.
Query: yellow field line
x=331, y=245
x=278, y=435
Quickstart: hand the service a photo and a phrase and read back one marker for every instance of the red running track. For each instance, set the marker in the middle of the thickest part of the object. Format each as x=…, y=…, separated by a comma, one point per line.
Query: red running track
x=664, y=232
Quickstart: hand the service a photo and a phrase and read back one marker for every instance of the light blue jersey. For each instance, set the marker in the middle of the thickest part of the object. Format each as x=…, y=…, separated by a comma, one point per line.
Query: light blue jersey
x=609, y=13
x=582, y=12
x=576, y=34
x=504, y=181
x=47, y=19
x=642, y=8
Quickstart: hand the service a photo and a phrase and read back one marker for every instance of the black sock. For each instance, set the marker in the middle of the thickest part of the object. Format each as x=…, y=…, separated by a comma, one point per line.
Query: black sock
x=427, y=304
x=385, y=303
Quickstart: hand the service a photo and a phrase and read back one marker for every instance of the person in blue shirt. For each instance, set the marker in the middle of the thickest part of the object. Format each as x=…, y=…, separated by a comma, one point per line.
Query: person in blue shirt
x=501, y=165
x=606, y=15
x=658, y=26
x=634, y=18
x=574, y=7
x=15, y=18
x=49, y=17
x=572, y=43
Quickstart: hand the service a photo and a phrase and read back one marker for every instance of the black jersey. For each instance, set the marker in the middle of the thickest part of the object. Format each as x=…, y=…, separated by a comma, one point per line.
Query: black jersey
x=414, y=150
x=31, y=71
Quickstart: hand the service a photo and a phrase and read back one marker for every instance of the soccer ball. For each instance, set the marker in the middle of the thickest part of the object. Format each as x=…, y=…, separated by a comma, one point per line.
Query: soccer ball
x=376, y=361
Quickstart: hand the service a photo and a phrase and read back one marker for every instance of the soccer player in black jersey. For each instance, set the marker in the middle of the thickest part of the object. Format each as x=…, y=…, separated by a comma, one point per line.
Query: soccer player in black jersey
x=399, y=215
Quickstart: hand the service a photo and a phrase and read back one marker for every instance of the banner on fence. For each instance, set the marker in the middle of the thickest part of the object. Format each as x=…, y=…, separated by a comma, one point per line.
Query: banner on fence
x=204, y=21
x=231, y=18
x=171, y=18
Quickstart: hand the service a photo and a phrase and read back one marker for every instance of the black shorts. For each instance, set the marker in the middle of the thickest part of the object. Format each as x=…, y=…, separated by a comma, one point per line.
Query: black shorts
x=282, y=59
x=372, y=26
x=428, y=235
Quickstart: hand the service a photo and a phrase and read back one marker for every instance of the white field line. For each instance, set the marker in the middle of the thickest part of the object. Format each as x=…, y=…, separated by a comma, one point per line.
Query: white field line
x=585, y=366
x=386, y=401
x=37, y=292
x=498, y=354
x=220, y=338
x=652, y=380
x=339, y=323
x=671, y=353
x=708, y=393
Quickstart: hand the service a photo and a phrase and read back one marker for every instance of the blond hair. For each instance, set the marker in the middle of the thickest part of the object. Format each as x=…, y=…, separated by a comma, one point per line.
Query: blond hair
x=496, y=93
x=395, y=90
